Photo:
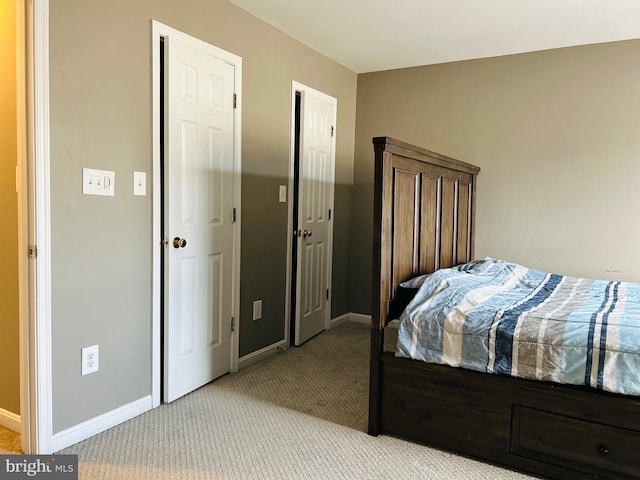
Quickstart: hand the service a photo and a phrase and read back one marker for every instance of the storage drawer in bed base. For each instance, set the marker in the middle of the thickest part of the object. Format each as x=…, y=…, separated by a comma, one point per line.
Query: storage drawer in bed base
x=583, y=445
x=547, y=429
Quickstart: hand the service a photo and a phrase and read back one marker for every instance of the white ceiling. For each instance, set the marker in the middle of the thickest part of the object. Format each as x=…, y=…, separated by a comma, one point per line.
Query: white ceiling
x=373, y=35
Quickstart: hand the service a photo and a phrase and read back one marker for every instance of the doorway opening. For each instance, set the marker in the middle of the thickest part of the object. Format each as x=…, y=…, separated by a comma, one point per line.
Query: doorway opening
x=294, y=215
x=162, y=109
x=311, y=183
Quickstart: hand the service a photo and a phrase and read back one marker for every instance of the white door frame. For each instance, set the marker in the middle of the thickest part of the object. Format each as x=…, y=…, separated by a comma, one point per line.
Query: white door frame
x=36, y=399
x=159, y=30
x=299, y=87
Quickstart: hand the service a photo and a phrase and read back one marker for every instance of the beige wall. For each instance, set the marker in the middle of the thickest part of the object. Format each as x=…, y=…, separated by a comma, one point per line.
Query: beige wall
x=556, y=135
x=9, y=351
x=100, y=87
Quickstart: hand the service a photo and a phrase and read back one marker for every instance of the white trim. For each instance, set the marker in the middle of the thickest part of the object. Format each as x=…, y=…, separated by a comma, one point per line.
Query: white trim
x=41, y=381
x=299, y=87
x=159, y=30
x=350, y=317
x=359, y=318
x=262, y=354
x=336, y=322
x=101, y=423
x=10, y=420
x=237, y=233
x=156, y=240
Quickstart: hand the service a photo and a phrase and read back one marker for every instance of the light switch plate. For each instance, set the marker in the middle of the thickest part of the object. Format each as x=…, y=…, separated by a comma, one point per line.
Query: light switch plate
x=283, y=194
x=257, y=310
x=139, y=183
x=98, y=182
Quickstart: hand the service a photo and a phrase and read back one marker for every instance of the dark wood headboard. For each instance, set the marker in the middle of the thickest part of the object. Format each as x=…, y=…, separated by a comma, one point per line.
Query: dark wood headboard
x=424, y=219
x=424, y=216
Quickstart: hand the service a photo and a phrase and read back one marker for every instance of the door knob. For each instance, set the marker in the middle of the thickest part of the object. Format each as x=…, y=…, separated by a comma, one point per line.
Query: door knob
x=179, y=242
x=306, y=233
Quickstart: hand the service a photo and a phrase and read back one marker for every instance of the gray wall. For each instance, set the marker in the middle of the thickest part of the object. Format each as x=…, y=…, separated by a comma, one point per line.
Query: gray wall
x=9, y=322
x=556, y=136
x=100, y=87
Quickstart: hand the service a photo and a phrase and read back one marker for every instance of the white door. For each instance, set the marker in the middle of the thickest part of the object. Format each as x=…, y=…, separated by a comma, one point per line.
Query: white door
x=198, y=205
x=316, y=174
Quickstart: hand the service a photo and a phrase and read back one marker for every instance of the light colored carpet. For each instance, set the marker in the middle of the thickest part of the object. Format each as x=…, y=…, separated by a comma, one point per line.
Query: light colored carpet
x=300, y=414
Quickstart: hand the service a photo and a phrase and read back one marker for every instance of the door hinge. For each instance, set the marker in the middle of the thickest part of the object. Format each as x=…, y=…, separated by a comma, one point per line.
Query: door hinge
x=233, y=324
x=235, y=101
x=332, y=130
x=234, y=214
x=327, y=294
x=329, y=214
x=33, y=252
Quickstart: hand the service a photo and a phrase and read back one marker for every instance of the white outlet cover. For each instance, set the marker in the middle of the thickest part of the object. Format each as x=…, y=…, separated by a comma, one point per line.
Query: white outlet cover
x=89, y=359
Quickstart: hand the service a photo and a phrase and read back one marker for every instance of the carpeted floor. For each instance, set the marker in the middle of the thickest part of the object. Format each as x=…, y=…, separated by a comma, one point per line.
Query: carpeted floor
x=300, y=414
x=9, y=441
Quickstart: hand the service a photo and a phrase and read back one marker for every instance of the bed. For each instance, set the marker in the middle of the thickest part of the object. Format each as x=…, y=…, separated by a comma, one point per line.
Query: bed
x=424, y=221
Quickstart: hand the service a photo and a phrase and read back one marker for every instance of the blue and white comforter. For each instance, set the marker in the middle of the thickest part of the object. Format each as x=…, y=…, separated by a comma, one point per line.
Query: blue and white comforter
x=499, y=317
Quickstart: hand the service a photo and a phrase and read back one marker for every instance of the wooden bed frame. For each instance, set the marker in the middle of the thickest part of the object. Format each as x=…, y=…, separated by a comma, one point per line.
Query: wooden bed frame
x=424, y=219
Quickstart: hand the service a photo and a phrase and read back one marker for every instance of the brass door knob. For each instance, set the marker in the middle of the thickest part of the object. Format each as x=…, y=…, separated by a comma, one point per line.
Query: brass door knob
x=179, y=242
x=306, y=233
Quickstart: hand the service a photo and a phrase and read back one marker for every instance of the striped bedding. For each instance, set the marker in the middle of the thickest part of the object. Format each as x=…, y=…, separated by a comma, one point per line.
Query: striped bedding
x=499, y=317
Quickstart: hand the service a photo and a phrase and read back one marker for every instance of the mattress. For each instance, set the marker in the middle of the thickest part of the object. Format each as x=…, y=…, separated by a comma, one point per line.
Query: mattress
x=503, y=318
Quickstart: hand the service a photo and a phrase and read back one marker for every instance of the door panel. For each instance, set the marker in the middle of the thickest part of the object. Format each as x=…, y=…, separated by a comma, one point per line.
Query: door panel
x=216, y=295
x=316, y=187
x=187, y=303
x=198, y=207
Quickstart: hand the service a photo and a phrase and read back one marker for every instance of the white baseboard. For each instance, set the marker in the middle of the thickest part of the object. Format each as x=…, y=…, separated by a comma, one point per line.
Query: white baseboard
x=10, y=420
x=99, y=424
x=359, y=318
x=259, y=355
x=350, y=317
x=336, y=322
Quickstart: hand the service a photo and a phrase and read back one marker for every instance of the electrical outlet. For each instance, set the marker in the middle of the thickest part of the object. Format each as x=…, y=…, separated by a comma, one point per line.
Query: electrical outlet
x=89, y=359
x=257, y=310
